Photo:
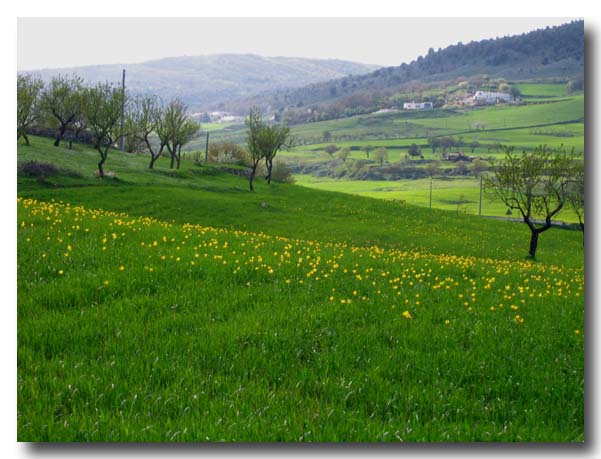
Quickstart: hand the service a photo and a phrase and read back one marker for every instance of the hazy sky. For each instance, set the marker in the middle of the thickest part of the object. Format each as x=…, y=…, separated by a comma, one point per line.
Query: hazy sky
x=69, y=42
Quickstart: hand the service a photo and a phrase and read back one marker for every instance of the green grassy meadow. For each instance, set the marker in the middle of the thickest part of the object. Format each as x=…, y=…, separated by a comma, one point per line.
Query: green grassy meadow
x=173, y=306
x=457, y=194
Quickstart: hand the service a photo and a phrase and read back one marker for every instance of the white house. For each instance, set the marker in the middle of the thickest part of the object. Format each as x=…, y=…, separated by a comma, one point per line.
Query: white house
x=417, y=105
x=484, y=97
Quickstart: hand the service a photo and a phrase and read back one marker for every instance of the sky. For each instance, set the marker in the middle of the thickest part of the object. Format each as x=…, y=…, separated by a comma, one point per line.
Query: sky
x=71, y=42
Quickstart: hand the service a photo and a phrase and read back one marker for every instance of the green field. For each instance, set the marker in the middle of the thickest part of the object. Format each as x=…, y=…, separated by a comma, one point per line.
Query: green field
x=214, y=127
x=540, y=90
x=546, y=122
x=404, y=128
x=173, y=306
x=457, y=194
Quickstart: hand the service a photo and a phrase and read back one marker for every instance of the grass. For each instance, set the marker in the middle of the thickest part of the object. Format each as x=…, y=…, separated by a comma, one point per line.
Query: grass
x=330, y=347
x=541, y=90
x=207, y=196
x=456, y=194
x=322, y=317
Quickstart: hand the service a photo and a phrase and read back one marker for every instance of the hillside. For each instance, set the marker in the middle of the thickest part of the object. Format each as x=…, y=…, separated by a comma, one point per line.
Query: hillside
x=206, y=195
x=172, y=306
x=556, y=52
x=205, y=81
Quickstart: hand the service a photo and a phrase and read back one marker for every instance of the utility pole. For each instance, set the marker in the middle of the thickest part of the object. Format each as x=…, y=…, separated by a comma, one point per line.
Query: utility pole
x=430, y=192
x=207, y=149
x=480, y=208
x=122, y=141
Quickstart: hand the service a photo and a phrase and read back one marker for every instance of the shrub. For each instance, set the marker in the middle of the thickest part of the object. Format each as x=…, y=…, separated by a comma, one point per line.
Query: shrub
x=37, y=169
x=227, y=152
x=281, y=172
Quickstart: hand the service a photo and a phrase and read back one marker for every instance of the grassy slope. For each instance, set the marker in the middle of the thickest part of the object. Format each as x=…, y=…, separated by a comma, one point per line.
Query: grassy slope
x=206, y=196
x=217, y=334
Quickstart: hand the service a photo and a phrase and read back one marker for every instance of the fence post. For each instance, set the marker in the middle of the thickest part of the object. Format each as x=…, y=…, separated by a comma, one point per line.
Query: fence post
x=207, y=149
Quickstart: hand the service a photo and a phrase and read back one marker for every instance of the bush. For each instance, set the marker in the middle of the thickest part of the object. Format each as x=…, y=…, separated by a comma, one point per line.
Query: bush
x=574, y=85
x=37, y=169
x=281, y=172
x=227, y=152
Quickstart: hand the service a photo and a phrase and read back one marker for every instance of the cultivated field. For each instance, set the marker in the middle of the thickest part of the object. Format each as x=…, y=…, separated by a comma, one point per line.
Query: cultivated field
x=548, y=116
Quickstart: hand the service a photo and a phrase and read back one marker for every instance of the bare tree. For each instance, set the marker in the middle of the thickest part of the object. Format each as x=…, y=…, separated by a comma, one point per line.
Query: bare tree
x=414, y=151
x=535, y=184
x=434, y=143
x=368, y=149
x=62, y=99
x=177, y=129
x=381, y=155
x=474, y=144
x=78, y=127
x=432, y=168
x=478, y=166
x=102, y=108
x=576, y=191
x=264, y=142
x=254, y=141
x=344, y=153
x=28, y=91
x=280, y=138
x=145, y=116
x=331, y=149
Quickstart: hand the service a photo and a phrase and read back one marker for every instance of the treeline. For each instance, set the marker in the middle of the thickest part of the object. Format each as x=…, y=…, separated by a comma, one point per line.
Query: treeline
x=530, y=53
x=102, y=115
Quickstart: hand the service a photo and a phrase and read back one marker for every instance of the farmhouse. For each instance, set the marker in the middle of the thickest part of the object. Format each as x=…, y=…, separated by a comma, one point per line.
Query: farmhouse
x=417, y=105
x=485, y=97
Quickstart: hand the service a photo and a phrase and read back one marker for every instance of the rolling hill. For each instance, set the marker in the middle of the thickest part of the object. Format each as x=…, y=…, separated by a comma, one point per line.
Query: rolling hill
x=553, y=52
x=204, y=81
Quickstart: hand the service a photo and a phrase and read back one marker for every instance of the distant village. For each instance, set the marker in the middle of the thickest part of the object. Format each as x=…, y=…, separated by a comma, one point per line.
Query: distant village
x=479, y=98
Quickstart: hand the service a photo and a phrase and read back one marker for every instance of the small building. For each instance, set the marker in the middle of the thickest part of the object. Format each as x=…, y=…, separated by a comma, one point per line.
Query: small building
x=485, y=97
x=417, y=105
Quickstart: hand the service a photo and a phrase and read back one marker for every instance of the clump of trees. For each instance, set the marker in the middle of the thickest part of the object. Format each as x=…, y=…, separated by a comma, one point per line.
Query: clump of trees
x=414, y=151
x=106, y=114
x=537, y=185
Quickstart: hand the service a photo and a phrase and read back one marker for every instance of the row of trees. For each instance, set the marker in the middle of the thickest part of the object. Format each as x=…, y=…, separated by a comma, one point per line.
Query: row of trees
x=106, y=114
